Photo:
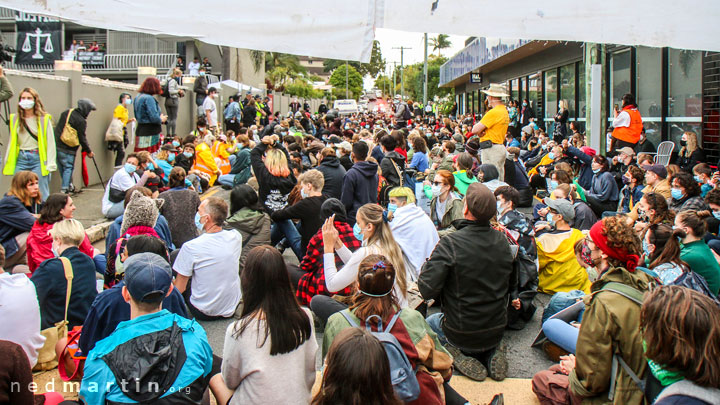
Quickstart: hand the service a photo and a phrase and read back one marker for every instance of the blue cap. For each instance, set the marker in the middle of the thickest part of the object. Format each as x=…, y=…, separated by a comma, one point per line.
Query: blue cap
x=147, y=277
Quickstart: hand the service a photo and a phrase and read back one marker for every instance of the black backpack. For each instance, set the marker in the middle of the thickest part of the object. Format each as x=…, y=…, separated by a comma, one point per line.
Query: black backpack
x=406, y=115
x=165, y=89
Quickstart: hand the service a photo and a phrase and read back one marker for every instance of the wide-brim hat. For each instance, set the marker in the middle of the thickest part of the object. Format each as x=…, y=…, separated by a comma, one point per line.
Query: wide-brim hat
x=496, y=90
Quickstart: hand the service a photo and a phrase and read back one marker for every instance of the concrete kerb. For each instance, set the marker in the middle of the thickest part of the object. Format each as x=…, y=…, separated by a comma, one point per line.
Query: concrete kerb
x=98, y=232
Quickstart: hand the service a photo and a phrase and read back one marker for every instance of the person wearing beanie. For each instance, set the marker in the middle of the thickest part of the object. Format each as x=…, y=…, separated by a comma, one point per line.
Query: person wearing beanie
x=609, y=331
x=473, y=285
x=180, y=346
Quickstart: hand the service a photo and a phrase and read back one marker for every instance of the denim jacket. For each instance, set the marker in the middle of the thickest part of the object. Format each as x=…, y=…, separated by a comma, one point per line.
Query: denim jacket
x=147, y=109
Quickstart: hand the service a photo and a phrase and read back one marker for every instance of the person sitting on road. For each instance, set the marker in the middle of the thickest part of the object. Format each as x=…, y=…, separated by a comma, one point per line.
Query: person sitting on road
x=180, y=206
x=559, y=270
x=273, y=343
x=446, y=204
x=661, y=253
x=19, y=209
x=240, y=171
x=463, y=174
x=514, y=220
x=120, y=182
x=249, y=219
x=473, y=285
x=215, y=290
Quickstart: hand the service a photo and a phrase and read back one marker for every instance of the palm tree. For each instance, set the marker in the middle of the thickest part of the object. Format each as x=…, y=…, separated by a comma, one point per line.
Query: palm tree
x=440, y=42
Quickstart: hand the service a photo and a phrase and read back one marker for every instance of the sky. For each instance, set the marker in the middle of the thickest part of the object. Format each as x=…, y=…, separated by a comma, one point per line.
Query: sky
x=391, y=39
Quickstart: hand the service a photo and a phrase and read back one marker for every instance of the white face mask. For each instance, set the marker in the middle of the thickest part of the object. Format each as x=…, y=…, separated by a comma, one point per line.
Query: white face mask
x=27, y=104
x=559, y=105
x=436, y=190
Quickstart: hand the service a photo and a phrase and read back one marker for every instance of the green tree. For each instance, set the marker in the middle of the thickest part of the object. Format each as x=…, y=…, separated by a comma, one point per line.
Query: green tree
x=372, y=68
x=355, y=81
x=442, y=41
x=384, y=83
x=280, y=68
x=302, y=88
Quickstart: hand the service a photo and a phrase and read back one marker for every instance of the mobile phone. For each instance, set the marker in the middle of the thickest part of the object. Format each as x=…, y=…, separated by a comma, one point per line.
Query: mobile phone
x=616, y=107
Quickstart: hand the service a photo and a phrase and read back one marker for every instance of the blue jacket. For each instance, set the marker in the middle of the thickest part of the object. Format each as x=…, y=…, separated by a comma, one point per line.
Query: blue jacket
x=604, y=187
x=51, y=288
x=360, y=186
x=14, y=220
x=585, y=175
x=110, y=308
x=164, y=358
x=419, y=161
x=627, y=195
x=161, y=227
x=147, y=109
x=233, y=112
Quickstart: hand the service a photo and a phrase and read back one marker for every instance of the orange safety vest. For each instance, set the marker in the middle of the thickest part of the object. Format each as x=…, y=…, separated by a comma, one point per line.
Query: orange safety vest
x=221, y=157
x=205, y=162
x=630, y=134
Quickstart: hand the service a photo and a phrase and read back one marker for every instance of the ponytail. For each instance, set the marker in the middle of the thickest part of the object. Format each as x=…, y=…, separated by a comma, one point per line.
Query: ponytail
x=666, y=243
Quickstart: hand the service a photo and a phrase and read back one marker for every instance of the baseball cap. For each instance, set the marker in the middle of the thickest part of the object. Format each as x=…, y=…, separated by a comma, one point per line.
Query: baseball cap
x=660, y=170
x=562, y=206
x=168, y=147
x=345, y=145
x=147, y=277
x=481, y=201
x=627, y=151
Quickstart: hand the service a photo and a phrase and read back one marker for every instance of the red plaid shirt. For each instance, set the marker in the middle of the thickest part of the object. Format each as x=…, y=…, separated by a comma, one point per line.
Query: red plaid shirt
x=312, y=282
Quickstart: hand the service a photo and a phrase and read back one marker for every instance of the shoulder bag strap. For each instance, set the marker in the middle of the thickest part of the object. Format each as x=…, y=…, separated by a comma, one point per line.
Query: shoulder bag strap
x=399, y=173
x=67, y=119
x=346, y=314
x=631, y=293
x=67, y=266
x=27, y=128
x=394, y=319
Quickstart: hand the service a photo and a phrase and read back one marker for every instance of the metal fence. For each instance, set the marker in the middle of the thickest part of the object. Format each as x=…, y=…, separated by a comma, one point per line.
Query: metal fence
x=114, y=63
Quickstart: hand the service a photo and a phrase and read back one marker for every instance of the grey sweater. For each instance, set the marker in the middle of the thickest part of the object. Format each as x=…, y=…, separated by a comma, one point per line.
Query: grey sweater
x=179, y=209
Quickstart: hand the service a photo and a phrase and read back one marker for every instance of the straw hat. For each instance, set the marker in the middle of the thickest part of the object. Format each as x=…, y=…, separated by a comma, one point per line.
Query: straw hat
x=496, y=90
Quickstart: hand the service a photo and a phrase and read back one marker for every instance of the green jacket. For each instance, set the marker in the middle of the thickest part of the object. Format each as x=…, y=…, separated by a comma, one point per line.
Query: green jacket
x=453, y=209
x=611, y=324
x=702, y=261
x=254, y=227
x=462, y=181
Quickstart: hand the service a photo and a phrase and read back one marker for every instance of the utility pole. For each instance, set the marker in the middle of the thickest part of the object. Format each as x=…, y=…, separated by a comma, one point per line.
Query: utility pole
x=346, y=80
x=394, y=84
x=402, y=71
x=425, y=73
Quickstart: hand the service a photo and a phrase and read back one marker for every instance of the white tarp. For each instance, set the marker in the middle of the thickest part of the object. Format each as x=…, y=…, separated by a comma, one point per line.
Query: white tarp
x=240, y=87
x=344, y=29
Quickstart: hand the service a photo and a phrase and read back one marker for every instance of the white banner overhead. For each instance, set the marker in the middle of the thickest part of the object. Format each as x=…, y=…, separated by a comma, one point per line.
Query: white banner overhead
x=344, y=29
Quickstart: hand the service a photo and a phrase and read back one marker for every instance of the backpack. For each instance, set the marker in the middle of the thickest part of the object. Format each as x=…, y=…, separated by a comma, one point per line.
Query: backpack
x=402, y=373
x=165, y=89
x=406, y=114
x=694, y=281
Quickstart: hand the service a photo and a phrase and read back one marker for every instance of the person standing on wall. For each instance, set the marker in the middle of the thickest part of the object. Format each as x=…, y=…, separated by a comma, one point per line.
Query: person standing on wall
x=207, y=65
x=492, y=129
x=627, y=124
x=32, y=140
x=172, y=101
x=76, y=119
x=121, y=113
x=201, y=90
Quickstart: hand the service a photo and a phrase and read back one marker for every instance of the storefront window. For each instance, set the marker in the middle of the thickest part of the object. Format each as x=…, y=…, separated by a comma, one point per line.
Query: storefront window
x=515, y=87
x=582, y=101
x=551, y=101
x=649, y=91
x=567, y=88
x=684, y=92
x=535, y=92
x=619, y=79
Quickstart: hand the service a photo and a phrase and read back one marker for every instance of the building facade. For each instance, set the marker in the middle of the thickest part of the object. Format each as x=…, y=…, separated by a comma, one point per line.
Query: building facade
x=676, y=90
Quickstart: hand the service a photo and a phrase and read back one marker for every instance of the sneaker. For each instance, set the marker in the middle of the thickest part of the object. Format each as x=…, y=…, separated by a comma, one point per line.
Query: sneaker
x=468, y=366
x=498, y=364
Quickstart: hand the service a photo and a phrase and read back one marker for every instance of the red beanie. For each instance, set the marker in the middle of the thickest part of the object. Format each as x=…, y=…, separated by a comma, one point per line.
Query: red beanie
x=596, y=234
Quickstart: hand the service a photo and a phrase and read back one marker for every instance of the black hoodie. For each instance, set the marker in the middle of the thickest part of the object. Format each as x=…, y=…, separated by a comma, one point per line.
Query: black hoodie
x=392, y=174
x=78, y=120
x=360, y=187
x=272, y=190
x=333, y=173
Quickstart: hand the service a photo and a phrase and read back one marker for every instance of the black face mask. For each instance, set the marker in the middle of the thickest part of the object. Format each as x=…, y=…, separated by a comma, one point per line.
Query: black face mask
x=683, y=143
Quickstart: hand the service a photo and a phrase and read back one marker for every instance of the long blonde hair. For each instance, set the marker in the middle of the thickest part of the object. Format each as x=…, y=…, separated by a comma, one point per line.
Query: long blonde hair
x=691, y=146
x=38, y=109
x=276, y=162
x=382, y=236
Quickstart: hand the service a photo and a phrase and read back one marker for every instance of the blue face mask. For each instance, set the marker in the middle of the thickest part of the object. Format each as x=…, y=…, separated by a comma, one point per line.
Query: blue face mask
x=596, y=171
x=202, y=73
x=553, y=185
x=197, y=222
x=303, y=194
x=188, y=154
x=130, y=168
x=698, y=179
x=524, y=104
x=551, y=155
x=171, y=157
x=176, y=143
x=550, y=219
x=150, y=166
x=128, y=101
x=716, y=214
x=544, y=147
x=676, y=193
x=357, y=232
x=499, y=207
x=392, y=207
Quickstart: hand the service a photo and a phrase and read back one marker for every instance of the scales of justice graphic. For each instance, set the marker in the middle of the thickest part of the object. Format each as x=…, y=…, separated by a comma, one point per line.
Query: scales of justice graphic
x=38, y=35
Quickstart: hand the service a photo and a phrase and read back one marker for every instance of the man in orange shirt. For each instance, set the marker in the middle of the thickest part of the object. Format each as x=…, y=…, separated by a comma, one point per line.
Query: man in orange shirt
x=627, y=124
x=492, y=129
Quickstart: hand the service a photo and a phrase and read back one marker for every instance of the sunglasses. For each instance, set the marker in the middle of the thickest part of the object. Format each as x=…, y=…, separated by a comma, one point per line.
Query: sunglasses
x=438, y=183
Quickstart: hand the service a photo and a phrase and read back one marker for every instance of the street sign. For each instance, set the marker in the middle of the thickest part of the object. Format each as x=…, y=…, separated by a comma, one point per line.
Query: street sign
x=475, y=77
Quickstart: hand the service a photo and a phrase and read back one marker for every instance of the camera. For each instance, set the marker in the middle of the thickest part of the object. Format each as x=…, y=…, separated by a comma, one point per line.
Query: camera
x=6, y=52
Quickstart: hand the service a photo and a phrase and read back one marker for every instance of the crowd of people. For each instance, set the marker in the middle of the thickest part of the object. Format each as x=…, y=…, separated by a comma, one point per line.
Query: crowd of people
x=414, y=257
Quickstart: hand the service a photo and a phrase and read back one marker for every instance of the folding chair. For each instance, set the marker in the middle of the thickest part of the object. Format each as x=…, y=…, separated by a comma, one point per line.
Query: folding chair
x=664, y=151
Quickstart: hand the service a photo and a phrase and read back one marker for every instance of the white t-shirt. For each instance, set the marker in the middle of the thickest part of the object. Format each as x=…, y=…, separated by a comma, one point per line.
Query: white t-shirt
x=209, y=105
x=121, y=180
x=212, y=259
x=20, y=314
x=622, y=120
x=194, y=68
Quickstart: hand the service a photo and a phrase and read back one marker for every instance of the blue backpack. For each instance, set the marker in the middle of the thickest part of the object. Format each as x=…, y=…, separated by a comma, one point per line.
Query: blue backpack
x=402, y=373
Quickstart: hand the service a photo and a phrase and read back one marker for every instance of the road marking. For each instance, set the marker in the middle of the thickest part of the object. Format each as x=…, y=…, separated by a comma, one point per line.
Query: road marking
x=210, y=192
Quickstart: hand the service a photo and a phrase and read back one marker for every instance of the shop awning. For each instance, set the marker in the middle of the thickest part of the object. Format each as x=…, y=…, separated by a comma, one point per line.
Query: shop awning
x=344, y=29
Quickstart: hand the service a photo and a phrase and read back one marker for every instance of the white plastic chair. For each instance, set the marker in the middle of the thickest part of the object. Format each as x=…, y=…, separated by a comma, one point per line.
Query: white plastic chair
x=664, y=151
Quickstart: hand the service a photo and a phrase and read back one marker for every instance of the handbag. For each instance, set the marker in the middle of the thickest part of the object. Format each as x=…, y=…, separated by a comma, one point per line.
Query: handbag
x=114, y=132
x=47, y=357
x=69, y=135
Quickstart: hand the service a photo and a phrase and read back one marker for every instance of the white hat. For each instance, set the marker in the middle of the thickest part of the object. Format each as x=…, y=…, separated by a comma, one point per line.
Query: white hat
x=496, y=90
x=345, y=145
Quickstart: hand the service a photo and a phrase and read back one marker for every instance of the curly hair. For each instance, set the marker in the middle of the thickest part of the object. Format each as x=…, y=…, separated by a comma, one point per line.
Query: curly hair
x=636, y=173
x=620, y=235
x=686, y=181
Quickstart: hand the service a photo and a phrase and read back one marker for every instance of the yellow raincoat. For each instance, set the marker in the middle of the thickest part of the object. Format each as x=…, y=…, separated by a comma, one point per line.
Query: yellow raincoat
x=559, y=269
x=205, y=161
x=543, y=162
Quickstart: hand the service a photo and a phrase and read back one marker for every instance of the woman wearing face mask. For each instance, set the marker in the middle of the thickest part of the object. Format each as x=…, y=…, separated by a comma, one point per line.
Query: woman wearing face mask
x=32, y=141
x=561, y=118
x=124, y=178
x=122, y=114
x=165, y=159
x=240, y=172
x=149, y=116
x=661, y=253
x=690, y=152
x=632, y=192
x=446, y=203
x=685, y=193
x=653, y=209
x=463, y=174
x=603, y=194
x=373, y=230
x=690, y=228
x=39, y=243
